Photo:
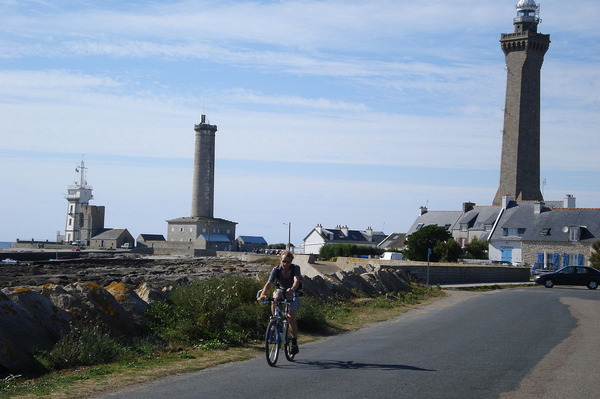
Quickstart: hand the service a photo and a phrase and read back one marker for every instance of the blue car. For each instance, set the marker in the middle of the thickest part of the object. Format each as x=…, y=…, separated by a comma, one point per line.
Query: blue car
x=571, y=275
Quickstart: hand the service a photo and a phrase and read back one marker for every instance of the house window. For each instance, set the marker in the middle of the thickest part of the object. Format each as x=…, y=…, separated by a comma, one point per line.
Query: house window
x=447, y=226
x=420, y=226
x=545, y=232
x=574, y=233
x=509, y=232
x=576, y=259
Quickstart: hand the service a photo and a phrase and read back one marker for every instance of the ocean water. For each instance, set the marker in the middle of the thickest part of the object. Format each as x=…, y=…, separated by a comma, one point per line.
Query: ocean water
x=5, y=244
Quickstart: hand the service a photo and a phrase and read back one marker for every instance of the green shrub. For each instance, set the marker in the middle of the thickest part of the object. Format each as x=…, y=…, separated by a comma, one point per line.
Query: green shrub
x=330, y=251
x=222, y=309
x=312, y=316
x=84, y=345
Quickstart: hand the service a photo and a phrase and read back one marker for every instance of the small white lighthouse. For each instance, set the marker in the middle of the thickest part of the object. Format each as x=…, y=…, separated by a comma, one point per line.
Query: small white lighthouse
x=78, y=196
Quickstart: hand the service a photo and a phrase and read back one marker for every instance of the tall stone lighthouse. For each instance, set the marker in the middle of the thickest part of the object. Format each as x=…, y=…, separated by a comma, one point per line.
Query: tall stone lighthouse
x=524, y=54
x=201, y=233
x=204, y=170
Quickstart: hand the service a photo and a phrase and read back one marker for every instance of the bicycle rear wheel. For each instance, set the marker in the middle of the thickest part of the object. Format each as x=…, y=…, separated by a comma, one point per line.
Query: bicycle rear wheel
x=272, y=343
x=287, y=333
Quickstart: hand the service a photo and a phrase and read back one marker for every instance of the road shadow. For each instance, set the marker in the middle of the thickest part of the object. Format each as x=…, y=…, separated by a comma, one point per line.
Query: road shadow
x=351, y=365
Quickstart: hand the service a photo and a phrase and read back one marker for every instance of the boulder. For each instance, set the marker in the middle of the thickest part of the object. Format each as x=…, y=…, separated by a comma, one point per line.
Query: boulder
x=20, y=337
x=130, y=301
x=88, y=302
x=150, y=294
x=55, y=320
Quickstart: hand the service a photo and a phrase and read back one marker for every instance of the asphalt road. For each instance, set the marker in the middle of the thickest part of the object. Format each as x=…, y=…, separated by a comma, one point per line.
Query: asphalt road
x=509, y=344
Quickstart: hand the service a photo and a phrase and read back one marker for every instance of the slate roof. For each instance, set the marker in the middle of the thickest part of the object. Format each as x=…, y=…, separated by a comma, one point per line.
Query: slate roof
x=215, y=237
x=548, y=225
x=438, y=218
x=480, y=216
x=152, y=237
x=252, y=239
x=394, y=240
x=109, y=234
x=191, y=219
x=354, y=236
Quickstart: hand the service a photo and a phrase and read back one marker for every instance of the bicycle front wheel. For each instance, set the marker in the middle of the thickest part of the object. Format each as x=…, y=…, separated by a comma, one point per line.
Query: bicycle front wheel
x=272, y=343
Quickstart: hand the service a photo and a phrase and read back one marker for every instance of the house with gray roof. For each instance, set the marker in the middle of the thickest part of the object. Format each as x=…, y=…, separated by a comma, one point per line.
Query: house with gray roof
x=320, y=236
x=112, y=239
x=523, y=232
x=445, y=219
x=530, y=232
x=149, y=240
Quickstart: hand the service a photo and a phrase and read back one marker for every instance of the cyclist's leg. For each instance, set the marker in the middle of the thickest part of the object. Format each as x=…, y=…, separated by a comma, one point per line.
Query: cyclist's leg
x=277, y=295
x=293, y=319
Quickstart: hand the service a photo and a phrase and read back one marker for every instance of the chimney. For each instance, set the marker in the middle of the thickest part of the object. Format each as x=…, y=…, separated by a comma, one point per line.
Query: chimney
x=570, y=201
x=345, y=230
x=468, y=206
x=538, y=207
x=369, y=233
x=422, y=210
x=319, y=228
x=506, y=199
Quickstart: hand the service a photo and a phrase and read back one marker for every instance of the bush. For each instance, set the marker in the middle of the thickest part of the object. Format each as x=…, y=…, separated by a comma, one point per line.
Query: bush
x=84, y=345
x=330, y=251
x=222, y=309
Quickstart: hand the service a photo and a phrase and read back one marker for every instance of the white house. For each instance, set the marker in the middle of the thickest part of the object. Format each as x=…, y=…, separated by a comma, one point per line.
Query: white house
x=320, y=236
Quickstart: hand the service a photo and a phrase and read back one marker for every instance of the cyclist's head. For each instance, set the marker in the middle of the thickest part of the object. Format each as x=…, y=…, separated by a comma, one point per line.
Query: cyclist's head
x=287, y=257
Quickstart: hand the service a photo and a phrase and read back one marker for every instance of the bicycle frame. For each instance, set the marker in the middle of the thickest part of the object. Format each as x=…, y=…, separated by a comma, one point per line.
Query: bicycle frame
x=278, y=332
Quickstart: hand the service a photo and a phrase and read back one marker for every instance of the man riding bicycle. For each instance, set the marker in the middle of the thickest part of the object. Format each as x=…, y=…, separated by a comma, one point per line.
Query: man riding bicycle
x=286, y=276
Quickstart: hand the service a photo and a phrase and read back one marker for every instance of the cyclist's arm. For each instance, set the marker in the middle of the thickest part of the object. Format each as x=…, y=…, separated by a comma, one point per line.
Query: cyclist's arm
x=265, y=290
x=295, y=285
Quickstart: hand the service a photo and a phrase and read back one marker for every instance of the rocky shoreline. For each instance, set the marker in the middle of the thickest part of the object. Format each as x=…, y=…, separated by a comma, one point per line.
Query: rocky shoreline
x=128, y=269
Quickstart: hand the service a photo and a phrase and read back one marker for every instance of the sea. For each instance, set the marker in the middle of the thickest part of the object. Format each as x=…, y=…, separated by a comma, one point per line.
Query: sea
x=5, y=244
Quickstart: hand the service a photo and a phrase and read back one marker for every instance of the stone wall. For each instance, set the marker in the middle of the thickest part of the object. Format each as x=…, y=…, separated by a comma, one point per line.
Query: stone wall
x=531, y=250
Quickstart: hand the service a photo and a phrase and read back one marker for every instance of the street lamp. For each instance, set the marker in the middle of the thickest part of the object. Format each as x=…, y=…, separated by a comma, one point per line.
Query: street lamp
x=289, y=244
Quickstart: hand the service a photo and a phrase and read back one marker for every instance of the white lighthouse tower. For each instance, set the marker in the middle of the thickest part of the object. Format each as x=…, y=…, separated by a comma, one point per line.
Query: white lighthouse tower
x=78, y=197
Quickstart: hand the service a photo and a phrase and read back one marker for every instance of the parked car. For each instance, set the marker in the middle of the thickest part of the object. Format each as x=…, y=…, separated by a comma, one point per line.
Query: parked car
x=571, y=275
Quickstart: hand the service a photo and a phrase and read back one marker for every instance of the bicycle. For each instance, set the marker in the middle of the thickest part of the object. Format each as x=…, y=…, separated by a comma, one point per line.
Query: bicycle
x=278, y=332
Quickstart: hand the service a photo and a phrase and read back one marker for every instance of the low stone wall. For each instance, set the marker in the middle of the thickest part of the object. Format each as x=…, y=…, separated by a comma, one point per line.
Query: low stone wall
x=443, y=273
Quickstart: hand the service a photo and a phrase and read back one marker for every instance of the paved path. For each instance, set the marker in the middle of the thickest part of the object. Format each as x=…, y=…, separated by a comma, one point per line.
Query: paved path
x=499, y=344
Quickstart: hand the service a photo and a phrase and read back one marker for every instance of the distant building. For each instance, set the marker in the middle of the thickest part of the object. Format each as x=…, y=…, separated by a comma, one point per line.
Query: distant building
x=251, y=244
x=320, y=236
x=394, y=241
x=148, y=240
x=112, y=239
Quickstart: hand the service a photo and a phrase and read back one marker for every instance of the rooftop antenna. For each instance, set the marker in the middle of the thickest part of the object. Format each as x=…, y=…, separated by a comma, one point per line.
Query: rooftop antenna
x=81, y=170
x=543, y=186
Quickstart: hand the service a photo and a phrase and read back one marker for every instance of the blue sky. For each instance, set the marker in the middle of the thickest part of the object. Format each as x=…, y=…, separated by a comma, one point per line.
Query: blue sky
x=333, y=112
